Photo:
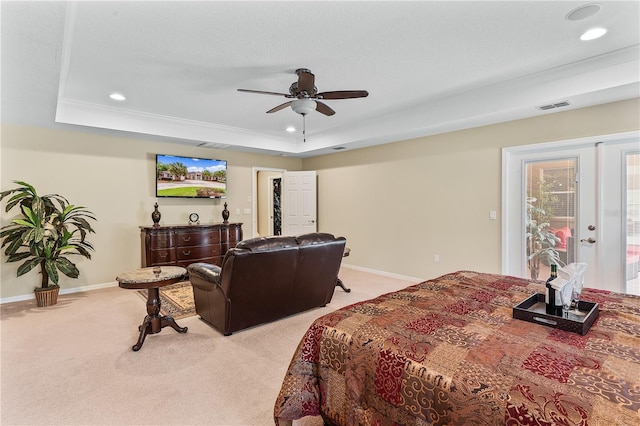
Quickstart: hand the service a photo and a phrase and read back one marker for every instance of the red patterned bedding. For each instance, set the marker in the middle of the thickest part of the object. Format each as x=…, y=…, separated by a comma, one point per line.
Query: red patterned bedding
x=448, y=352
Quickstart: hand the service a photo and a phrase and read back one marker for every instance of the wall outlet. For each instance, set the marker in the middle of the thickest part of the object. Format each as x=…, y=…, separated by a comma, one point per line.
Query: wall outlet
x=493, y=215
x=238, y=211
x=436, y=258
x=247, y=211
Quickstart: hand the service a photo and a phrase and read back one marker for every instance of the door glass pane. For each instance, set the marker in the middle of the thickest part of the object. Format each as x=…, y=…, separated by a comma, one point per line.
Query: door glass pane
x=633, y=222
x=277, y=208
x=550, y=200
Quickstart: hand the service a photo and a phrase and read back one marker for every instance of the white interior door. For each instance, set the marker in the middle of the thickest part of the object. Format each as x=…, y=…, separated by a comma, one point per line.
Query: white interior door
x=299, y=203
x=599, y=222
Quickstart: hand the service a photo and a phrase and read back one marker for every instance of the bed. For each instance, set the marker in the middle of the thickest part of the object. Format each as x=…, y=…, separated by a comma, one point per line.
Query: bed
x=448, y=352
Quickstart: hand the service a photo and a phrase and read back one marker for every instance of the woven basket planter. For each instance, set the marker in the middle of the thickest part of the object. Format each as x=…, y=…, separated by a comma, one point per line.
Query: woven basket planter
x=47, y=297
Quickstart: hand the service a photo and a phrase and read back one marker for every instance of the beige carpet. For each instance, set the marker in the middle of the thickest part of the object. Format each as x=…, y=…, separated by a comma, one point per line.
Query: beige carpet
x=72, y=363
x=175, y=300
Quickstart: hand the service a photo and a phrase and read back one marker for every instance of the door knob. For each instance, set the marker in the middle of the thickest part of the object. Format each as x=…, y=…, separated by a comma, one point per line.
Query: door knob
x=588, y=240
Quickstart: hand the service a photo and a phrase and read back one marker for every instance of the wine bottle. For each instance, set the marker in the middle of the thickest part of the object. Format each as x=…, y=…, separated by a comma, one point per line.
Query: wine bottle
x=550, y=296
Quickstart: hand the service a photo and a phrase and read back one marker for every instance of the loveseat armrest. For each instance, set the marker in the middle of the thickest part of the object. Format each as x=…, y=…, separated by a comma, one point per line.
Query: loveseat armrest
x=205, y=276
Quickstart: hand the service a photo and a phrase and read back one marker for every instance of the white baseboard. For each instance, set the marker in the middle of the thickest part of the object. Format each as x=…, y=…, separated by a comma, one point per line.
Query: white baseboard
x=383, y=273
x=115, y=283
x=62, y=291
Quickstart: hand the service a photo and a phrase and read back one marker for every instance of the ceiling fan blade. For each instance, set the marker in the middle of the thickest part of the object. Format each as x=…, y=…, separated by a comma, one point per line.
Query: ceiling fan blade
x=324, y=109
x=287, y=95
x=343, y=94
x=279, y=107
x=306, y=81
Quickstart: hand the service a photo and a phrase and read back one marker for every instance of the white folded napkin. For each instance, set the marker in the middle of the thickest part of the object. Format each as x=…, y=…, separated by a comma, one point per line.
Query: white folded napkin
x=574, y=271
x=563, y=288
x=569, y=277
x=559, y=283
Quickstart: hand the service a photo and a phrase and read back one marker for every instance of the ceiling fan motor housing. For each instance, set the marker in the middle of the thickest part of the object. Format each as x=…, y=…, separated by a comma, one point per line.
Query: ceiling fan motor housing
x=297, y=93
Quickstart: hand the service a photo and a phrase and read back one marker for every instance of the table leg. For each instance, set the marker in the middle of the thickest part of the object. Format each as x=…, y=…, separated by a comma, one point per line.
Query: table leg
x=340, y=284
x=169, y=321
x=153, y=322
x=144, y=328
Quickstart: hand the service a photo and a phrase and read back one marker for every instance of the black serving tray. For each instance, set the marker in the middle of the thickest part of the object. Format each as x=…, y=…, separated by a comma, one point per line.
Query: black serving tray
x=533, y=309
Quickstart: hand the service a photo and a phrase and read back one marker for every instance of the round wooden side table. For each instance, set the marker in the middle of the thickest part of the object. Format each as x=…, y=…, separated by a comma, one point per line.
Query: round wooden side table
x=152, y=279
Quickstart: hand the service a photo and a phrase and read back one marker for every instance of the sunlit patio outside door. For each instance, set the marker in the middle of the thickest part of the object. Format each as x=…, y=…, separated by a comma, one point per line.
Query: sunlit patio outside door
x=550, y=200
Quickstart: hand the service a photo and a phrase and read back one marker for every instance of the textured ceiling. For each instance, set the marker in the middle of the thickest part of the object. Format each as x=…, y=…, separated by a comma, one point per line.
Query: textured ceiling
x=429, y=67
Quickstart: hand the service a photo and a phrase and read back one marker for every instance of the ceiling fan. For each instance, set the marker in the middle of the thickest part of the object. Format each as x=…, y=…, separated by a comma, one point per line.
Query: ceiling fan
x=306, y=97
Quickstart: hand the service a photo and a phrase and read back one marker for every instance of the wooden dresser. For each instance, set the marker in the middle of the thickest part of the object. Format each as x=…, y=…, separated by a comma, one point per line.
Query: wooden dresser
x=181, y=245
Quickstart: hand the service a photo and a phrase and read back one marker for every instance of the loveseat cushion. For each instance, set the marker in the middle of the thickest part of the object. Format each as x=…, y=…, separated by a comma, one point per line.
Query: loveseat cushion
x=266, y=243
x=314, y=238
x=317, y=270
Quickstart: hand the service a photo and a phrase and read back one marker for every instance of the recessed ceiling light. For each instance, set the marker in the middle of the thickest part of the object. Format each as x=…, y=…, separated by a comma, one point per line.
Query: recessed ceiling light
x=593, y=34
x=117, y=96
x=583, y=12
x=291, y=129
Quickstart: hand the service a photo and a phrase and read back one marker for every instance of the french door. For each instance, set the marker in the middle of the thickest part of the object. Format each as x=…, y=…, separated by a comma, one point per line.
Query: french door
x=574, y=202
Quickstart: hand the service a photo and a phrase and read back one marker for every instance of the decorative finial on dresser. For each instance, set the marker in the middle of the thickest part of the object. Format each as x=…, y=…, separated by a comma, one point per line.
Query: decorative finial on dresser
x=225, y=214
x=155, y=216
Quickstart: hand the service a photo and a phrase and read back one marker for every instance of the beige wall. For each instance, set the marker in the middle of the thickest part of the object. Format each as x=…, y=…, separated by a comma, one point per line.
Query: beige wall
x=114, y=178
x=400, y=204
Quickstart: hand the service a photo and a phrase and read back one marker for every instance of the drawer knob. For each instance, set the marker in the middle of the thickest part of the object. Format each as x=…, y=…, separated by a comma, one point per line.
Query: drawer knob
x=186, y=253
x=186, y=238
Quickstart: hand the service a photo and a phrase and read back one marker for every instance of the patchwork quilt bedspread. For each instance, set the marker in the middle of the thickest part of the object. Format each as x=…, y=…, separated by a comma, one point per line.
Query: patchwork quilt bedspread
x=448, y=352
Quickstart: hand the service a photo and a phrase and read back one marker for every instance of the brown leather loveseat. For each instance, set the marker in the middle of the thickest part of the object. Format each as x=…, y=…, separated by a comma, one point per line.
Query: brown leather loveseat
x=267, y=278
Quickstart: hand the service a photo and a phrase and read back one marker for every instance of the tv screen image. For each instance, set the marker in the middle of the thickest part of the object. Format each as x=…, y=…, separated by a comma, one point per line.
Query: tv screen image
x=190, y=177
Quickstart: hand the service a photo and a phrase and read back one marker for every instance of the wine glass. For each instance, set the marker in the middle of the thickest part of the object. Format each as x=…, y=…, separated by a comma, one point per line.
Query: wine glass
x=577, y=290
x=566, y=296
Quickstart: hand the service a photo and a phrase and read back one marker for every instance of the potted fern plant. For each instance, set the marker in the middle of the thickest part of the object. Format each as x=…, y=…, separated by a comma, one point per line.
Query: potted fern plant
x=48, y=230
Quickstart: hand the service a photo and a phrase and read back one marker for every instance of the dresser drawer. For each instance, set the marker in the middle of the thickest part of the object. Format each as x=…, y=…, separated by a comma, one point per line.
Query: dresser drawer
x=162, y=256
x=190, y=253
x=197, y=238
x=161, y=239
x=234, y=235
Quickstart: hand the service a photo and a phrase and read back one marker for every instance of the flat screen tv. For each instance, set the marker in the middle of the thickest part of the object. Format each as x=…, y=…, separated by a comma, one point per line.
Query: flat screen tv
x=188, y=177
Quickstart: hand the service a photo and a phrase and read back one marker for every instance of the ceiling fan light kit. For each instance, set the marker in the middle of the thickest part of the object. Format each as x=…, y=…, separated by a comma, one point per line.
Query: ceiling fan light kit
x=303, y=106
